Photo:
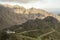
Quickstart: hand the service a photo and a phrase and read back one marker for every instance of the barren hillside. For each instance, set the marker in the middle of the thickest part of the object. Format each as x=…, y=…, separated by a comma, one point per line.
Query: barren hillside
x=15, y=15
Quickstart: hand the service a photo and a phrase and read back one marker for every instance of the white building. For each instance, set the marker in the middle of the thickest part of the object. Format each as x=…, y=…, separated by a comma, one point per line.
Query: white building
x=8, y=31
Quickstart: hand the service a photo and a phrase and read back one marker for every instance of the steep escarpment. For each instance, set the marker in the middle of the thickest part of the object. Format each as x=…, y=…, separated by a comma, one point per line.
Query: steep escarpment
x=15, y=15
x=8, y=17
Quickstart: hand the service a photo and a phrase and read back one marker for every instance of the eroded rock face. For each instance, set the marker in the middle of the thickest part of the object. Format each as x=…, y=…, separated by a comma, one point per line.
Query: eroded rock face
x=15, y=15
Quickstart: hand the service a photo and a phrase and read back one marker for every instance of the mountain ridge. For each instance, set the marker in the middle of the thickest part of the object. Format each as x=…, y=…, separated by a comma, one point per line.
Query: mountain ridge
x=15, y=15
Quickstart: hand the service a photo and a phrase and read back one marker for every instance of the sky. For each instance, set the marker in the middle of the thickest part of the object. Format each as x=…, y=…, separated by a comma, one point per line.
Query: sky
x=49, y=5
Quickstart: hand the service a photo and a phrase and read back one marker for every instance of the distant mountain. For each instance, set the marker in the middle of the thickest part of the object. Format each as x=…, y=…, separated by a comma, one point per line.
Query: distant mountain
x=34, y=24
x=54, y=10
x=16, y=15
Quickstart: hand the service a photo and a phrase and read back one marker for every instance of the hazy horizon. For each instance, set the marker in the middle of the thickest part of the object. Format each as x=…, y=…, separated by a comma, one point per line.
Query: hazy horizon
x=49, y=5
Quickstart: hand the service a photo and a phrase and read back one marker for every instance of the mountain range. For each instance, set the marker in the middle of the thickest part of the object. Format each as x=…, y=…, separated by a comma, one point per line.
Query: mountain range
x=16, y=15
x=19, y=23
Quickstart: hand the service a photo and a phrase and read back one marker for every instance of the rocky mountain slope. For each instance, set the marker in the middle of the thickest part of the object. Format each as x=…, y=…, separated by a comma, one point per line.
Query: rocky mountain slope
x=38, y=29
x=16, y=15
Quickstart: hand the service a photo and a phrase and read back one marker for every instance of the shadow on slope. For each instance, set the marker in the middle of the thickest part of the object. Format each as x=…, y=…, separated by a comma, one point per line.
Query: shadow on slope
x=37, y=27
